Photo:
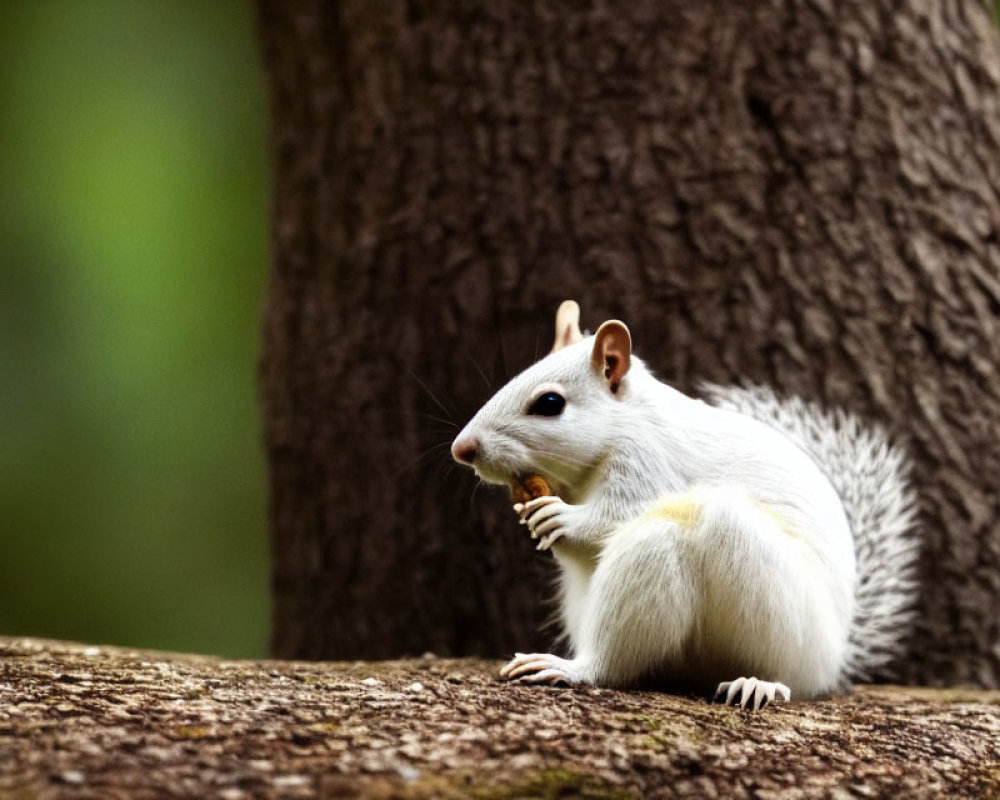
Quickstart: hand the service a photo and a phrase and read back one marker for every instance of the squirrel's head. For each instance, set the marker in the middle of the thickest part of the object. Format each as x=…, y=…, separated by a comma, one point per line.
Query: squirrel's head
x=558, y=417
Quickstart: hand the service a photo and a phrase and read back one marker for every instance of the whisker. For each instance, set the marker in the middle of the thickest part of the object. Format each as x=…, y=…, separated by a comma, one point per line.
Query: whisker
x=489, y=384
x=560, y=457
x=472, y=499
x=430, y=394
x=446, y=469
x=433, y=450
x=433, y=418
x=500, y=358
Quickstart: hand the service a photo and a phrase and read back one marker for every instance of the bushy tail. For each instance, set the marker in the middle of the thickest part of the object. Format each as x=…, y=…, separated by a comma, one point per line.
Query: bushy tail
x=872, y=478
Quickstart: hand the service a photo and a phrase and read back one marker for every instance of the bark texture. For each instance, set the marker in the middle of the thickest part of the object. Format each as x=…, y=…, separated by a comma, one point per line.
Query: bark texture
x=797, y=192
x=84, y=722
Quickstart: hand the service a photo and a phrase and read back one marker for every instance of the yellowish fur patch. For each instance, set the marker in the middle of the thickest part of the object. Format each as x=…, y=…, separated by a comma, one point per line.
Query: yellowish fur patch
x=784, y=524
x=685, y=510
x=680, y=508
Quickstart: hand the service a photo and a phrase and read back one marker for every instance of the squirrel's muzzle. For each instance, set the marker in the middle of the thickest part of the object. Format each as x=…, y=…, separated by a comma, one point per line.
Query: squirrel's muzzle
x=465, y=449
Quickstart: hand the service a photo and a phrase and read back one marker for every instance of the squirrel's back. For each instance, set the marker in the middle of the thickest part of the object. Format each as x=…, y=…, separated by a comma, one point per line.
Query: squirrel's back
x=871, y=478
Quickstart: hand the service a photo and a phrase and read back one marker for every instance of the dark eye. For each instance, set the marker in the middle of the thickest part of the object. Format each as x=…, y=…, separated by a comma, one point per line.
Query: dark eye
x=549, y=404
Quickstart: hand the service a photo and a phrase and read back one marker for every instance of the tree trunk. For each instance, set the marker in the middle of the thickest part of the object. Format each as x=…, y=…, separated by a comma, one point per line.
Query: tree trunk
x=795, y=192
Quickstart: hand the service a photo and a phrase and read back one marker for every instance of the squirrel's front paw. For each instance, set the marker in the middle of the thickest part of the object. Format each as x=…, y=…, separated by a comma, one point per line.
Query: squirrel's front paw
x=752, y=693
x=547, y=519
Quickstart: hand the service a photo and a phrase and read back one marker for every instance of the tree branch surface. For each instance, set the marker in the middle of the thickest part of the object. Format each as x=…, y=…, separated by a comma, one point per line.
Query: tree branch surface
x=84, y=721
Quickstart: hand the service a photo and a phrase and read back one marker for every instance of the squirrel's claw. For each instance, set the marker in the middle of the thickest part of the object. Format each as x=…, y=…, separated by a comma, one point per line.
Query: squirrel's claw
x=552, y=676
x=544, y=518
x=542, y=668
x=753, y=693
x=547, y=541
x=530, y=510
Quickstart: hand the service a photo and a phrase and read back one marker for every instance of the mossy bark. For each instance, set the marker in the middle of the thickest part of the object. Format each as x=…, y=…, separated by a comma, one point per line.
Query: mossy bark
x=80, y=722
x=795, y=192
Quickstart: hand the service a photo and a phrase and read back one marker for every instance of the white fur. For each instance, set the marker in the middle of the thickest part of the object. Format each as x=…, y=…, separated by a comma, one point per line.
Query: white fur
x=761, y=582
x=872, y=478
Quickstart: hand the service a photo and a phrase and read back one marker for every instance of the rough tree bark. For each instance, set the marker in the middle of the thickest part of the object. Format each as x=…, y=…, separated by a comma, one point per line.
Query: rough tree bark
x=99, y=722
x=796, y=192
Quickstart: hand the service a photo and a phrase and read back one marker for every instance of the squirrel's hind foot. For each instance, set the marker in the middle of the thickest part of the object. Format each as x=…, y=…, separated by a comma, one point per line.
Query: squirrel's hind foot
x=544, y=668
x=752, y=693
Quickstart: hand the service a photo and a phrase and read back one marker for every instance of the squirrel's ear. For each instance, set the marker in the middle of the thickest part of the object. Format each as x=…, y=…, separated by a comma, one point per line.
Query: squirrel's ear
x=612, y=352
x=567, y=325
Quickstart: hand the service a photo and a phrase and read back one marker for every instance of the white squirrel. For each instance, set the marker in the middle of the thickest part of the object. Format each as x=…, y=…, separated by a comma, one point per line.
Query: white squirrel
x=701, y=543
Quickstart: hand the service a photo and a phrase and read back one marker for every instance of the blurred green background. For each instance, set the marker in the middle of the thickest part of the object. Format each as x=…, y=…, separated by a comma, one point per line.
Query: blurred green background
x=133, y=239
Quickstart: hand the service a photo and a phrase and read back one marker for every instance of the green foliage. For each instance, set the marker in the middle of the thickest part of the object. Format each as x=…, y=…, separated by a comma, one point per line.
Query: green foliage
x=133, y=228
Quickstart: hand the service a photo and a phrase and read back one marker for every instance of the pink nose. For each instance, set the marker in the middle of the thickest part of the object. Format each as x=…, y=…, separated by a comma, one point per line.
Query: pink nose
x=465, y=449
